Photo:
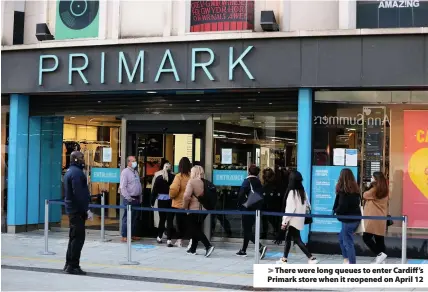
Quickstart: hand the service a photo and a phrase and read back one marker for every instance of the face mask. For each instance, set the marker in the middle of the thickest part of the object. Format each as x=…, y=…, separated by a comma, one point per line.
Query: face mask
x=134, y=164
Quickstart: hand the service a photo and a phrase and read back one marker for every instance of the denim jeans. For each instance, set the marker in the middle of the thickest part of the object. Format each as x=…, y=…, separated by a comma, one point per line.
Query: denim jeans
x=125, y=218
x=346, y=240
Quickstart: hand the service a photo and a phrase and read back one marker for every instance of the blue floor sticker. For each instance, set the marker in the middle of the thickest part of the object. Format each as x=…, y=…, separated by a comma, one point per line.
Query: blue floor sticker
x=143, y=246
x=275, y=254
x=417, y=262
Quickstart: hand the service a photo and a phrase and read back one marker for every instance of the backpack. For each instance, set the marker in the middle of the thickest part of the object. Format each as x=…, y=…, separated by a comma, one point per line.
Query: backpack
x=209, y=198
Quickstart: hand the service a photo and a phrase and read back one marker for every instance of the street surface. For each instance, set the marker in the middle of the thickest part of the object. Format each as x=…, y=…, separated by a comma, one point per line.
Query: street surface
x=160, y=268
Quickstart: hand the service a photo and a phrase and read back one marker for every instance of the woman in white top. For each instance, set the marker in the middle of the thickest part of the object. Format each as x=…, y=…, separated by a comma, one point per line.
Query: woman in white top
x=297, y=204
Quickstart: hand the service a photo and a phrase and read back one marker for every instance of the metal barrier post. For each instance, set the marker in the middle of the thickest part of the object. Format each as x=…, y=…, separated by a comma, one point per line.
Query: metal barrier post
x=404, y=241
x=103, y=212
x=257, y=239
x=129, y=235
x=46, y=231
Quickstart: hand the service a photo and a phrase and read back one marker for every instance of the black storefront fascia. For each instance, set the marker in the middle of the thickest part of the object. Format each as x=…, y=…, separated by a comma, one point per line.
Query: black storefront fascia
x=371, y=62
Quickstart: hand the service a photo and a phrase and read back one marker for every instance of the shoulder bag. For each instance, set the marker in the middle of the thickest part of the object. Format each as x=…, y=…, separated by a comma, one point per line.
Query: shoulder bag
x=254, y=199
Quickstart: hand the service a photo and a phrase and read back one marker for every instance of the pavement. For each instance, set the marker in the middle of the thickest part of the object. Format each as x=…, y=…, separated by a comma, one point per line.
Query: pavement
x=159, y=269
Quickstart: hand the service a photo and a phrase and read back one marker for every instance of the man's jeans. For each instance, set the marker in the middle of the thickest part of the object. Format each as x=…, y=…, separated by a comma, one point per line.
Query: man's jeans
x=133, y=217
x=346, y=241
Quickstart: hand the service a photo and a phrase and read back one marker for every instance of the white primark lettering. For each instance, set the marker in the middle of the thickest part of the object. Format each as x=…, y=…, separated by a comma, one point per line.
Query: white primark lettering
x=398, y=4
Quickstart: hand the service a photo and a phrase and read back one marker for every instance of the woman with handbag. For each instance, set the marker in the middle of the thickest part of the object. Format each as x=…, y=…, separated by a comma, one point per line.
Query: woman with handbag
x=376, y=204
x=250, y=199
x=297, y=203
x=195, y=189
x=347, y=202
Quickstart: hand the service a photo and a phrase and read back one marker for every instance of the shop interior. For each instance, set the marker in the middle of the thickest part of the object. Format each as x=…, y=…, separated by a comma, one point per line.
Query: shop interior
x=98, y=137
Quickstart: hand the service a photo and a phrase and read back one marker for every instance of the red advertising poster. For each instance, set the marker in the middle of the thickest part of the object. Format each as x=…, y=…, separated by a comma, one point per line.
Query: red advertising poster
x=211, y=15
x=415, y=185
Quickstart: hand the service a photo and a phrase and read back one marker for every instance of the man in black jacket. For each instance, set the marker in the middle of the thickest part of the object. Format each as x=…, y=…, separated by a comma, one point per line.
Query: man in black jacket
x=77, y=199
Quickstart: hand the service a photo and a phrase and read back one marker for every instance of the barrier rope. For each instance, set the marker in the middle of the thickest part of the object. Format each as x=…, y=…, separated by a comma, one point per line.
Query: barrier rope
x=237, y=212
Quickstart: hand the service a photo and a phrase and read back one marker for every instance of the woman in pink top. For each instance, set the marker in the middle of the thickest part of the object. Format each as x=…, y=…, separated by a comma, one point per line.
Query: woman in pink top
x=194, y=189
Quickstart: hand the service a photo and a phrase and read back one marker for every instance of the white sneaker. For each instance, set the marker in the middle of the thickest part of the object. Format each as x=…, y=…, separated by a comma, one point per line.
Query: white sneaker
x=159, y=240
x=281, y=262
x=381, y=258
x=178, y=243
x=169, y=243
x=190, y=244
x=313, y=261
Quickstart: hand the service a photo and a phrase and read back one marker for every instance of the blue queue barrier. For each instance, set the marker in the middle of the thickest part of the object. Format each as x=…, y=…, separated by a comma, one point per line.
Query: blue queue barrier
x=257, y=213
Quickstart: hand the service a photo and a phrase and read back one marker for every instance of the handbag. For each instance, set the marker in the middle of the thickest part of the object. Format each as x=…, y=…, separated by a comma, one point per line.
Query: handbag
x=254, y=199
x=389, y=222
x=308, y=220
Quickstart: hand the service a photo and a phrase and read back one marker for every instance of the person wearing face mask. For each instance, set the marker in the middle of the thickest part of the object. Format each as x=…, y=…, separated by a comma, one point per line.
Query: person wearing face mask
x=76, y=201
x=130, y=190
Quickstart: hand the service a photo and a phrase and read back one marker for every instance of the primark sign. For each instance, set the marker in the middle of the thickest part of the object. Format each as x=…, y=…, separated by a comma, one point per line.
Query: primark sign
x=134, y=68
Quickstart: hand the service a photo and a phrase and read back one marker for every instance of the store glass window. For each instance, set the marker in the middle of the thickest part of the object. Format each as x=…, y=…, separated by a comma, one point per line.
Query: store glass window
x=392, y=14
x=210, y=15
x=370, y=131
x=98, y=138
x=265, y=139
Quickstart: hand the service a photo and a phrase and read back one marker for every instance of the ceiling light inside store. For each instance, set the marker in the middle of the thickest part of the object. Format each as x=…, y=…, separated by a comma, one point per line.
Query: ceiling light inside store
x=198, y=100
x=270, y=103
x=99, y=101
x=239, y=107
x=234, y=133
x=72, y=117
x=151, y=92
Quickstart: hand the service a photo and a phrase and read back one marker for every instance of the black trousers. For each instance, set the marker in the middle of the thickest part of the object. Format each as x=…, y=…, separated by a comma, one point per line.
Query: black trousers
x=163, y=217
x=376, y=243
x=293, y=234
x=195, y=224
x=76, y=239
x=181, y=224
x=248, y=222
x=224, y=222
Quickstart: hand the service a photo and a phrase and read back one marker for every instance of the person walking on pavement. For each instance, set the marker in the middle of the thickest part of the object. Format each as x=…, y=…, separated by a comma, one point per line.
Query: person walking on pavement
x=195, y=189
x=160, y=192
x=252, y=182
x=297, y=203
x=77, y=197
x=347, y=202
x=176, y=193
x=376, y=204
x=130, y=190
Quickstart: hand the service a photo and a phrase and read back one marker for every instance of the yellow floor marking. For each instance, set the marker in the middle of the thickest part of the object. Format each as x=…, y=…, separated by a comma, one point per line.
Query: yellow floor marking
x=142, y=268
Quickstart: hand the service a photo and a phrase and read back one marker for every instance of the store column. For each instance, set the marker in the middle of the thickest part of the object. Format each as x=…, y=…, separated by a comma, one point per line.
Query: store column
x=304, y=144
x=18, y=163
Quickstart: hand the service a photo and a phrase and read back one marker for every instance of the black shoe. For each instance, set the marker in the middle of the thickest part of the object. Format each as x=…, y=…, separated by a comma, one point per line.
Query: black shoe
x=75, y=271
x=191, y=252
x=65, y=267
x=209, y=251
x=241, y=253
x=262, y=252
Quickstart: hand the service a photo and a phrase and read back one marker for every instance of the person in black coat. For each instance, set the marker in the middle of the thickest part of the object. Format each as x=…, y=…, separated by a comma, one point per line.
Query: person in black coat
x=160, y=192
x=77, y=199
x=272, y=202
x=252, y=181
x=347, y=202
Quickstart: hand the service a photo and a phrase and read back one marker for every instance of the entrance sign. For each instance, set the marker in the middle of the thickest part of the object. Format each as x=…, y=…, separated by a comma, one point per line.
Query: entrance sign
x=324, y=179
x=105, y=175
x=233, y=178
x=415, y=184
